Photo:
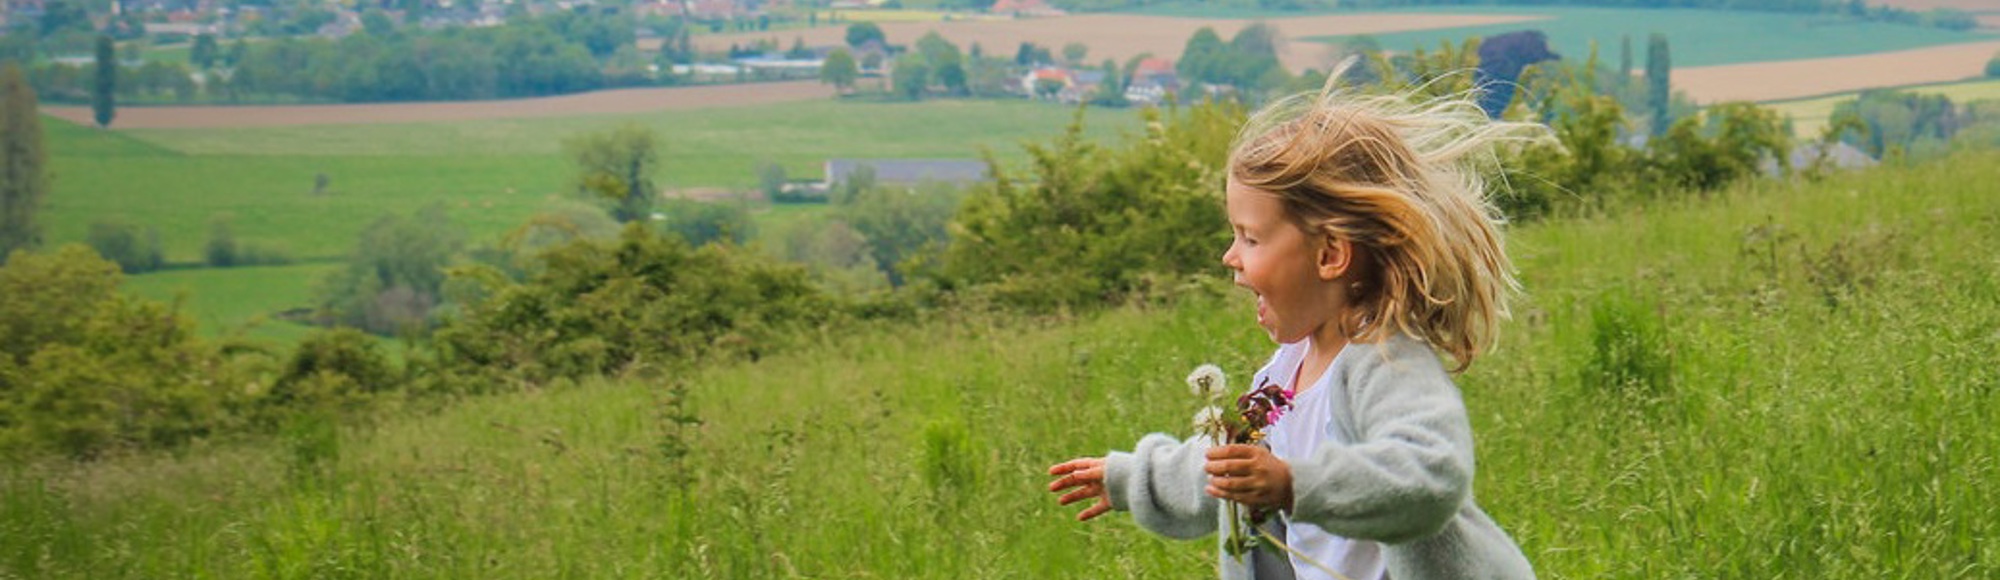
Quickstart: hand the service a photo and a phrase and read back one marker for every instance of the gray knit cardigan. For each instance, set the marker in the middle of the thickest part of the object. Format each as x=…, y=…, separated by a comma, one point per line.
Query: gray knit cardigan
x=1405, y=481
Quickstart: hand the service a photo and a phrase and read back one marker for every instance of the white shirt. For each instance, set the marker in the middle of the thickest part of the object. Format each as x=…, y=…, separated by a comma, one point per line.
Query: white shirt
x=1298, y=433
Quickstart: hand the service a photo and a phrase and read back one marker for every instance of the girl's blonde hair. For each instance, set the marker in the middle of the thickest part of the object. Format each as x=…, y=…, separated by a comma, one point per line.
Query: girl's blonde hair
x=1397, y=177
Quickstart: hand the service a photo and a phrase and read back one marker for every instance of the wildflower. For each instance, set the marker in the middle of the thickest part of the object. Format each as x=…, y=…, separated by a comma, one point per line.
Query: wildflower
x=1206, y=382
x=1208, y=421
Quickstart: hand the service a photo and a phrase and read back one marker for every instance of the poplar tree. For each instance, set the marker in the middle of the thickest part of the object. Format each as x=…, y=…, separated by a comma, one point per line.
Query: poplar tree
x=23, y=183
x=1659, y=89
x=101, y=105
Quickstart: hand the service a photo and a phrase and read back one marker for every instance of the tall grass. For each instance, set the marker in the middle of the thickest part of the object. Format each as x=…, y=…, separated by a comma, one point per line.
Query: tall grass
x=1815, y=395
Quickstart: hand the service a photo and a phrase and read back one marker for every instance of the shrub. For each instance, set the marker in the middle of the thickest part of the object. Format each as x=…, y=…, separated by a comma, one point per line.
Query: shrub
x=643, y=301
x=333, y=372
x=1090, y=224
x=703, y=223
x=134, y=250
x=395, y=276
x=1993, y=67
x=88, y=369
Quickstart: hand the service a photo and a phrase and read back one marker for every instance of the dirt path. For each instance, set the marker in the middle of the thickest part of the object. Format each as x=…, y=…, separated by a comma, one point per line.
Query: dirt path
x=1762, y=81
x=1122, y=36
x=593, y=103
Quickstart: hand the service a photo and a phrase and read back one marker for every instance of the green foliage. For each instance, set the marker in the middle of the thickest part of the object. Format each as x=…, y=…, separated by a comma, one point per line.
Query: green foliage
x=24, y=178
x=617, y=167
x=839, y=70
x=395, y=277
x=1993, y=67
x=1725, y=143
x=860, y=33
x=89, y=370
x=103, y=91
x=909, y=78
x=1659, y=84
x=645, y=301
x=333, y=373
x=1903, y=122
x=700, y=223
x=1091, y=224
x=904, y=228
x=1243, y=63
x=133, y=249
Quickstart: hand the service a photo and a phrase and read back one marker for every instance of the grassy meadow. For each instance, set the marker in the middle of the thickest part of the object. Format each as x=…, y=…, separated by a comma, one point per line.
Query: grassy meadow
x=489, y=175
x=1786, y=379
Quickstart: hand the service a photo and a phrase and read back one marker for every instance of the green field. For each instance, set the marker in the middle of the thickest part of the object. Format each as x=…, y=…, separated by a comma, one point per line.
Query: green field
x=238, y=301
x=1695, y=37
x=1811, y=396
x=489, y=175
x=1809, y=115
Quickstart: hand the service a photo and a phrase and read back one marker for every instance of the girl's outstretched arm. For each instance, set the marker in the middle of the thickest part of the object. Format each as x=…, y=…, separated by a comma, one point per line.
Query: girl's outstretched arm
x=1162, y=483
x=1086, y=476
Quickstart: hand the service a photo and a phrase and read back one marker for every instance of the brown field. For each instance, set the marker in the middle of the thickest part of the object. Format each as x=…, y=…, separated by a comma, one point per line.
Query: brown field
x=1763, y=81
x=1922, y=5
x=593, y=103
x=1122, y=36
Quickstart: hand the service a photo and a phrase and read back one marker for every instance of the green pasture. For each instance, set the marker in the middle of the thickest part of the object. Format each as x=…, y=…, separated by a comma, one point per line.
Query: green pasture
x=1809, y=115
x=1695, y=37
x=489, y=175
x=238, y=301
x=1786, y=379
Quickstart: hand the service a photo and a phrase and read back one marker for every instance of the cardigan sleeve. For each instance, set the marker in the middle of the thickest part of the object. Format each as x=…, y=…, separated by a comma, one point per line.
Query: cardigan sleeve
x=1408, y=465
x=1162, y=483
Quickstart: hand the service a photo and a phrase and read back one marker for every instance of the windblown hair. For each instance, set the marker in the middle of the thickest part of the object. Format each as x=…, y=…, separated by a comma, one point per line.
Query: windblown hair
x=1399, y=178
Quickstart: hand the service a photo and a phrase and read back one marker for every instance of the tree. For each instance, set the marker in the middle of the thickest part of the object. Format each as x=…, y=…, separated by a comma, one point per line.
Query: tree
x=23, y=180
x=839, y=70
x=910, y=77
x=1659, y=89
x=1501, y=59
x=204, y=52
x=617, y=167
x=860, y=33
x=1074, y=53
x=101, y=92
x=1993, y=67
x=1624, y=60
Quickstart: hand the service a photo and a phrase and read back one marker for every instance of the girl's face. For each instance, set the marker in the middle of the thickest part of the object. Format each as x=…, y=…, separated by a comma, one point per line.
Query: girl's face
x=1291, y=271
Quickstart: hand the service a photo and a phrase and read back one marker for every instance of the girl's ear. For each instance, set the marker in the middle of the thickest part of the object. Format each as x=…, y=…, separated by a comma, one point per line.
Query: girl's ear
x=1335, y=257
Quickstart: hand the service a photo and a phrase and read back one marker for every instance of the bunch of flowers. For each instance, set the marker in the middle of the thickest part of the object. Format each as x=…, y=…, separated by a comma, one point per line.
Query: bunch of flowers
x=1254, y=411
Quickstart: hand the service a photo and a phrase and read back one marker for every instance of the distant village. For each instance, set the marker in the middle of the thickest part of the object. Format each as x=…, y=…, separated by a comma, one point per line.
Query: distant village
x=1151, y=80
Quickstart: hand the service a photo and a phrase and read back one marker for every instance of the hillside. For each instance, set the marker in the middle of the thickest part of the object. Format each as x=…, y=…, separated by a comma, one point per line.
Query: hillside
x=1786, y=379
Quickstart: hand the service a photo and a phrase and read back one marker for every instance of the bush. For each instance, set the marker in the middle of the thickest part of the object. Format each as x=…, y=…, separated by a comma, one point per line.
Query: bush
x=224, y=251
x=645, y=301
x=702, y=223
x=88, y=369
x=333, y=372
x=135, y=251
x=1095, y=225
x=1993, y=67
x=395, y=277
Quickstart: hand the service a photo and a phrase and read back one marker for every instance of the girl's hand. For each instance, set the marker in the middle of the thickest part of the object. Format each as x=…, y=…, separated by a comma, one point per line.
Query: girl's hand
x=1249, y=475
x=1087, y=475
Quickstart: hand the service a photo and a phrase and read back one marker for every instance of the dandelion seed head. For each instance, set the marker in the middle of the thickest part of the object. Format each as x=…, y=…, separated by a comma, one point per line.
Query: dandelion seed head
x=1206, y=382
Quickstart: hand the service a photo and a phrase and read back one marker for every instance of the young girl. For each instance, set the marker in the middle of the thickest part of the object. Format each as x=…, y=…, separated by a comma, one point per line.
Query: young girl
x=1368, y=244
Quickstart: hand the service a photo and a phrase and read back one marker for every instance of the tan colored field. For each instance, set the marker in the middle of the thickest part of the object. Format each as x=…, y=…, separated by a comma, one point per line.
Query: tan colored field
x=594, y=103
x=1122, y=36
x=1765, y=81
x=1922, y=5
